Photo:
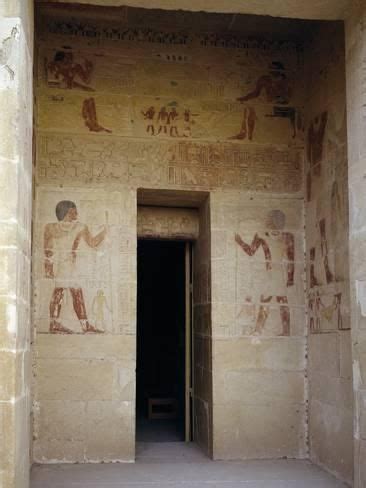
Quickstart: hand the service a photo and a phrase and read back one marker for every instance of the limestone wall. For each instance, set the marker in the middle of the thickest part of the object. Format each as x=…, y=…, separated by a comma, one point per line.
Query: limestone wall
x=154, y=103
x=85, y=317
x=16, y=48
x=258, y=331
x=329, y=347
x=356, y=89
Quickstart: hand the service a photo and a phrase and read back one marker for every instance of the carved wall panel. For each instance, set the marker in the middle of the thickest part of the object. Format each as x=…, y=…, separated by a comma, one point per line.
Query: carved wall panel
x=146, y=103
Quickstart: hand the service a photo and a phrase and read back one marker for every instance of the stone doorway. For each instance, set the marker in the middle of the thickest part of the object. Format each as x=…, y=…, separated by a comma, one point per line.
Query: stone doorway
x=250, y=159
x=163, y=363
x=173, y=239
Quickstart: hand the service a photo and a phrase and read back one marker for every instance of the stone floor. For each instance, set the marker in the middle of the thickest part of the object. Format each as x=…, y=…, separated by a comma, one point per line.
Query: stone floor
x=175, y=464
x=158, y=431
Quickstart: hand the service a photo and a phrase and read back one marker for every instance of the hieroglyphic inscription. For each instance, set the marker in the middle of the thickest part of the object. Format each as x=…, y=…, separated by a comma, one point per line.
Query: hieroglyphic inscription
x=89, y=30
x=181, y=164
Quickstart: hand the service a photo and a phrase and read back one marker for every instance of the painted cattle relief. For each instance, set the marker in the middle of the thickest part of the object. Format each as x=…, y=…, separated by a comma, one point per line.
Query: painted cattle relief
x=61, y=243
x=277, y=279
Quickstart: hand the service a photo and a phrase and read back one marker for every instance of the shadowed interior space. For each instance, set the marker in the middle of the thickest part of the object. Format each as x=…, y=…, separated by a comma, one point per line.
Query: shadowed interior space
x=160, y=407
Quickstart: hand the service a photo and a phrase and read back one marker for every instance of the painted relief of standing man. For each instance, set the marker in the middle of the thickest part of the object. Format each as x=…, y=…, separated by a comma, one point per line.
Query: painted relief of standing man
x=163, y=118
x=61, y=242
x=278, y=279
x=99, y=307
x=172, y=118
x=188, y=121
x=149, y=115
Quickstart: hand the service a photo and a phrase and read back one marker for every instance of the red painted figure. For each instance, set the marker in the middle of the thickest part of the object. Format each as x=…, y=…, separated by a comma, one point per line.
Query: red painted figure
x=149, y=116
x=64, y=72
x=172, y=117
x=315, y=142
x=247, y=125
x=163, y=118
x=276, y=222
x=275, y=85
x=89, y=113
x=324, y=250
x=61, y=242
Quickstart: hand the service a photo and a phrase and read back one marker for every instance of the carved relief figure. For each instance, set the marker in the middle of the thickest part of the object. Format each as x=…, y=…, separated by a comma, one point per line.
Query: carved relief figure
x=338, y=213
x=329, y=276
x=168, y=123
x=61, y=242
x=276, y=281
x=275, y=86
x=318, y=310
x=324, y=250
x=277, y=90
x=187, y=123
x=324, y=253
x=149, y=115
x=163, y=118
x=335, y=307
x=172, y=117
x=99, y=306
x=89, y=113
x=247, y=125
x=314, y=309
x=313, y=279
x=314, y=149
x=315, y=142
x=64, y=72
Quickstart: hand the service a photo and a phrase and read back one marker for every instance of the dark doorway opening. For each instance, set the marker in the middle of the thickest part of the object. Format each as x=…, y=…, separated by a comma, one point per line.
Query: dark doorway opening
x=161, y=341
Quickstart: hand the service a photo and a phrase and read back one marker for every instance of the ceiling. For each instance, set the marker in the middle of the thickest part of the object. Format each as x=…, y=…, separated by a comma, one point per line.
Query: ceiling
x=298, y=9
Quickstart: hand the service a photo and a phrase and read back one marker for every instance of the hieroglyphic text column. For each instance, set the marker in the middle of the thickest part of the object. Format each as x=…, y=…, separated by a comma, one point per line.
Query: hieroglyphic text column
x=16, y=35
x=356, y=101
